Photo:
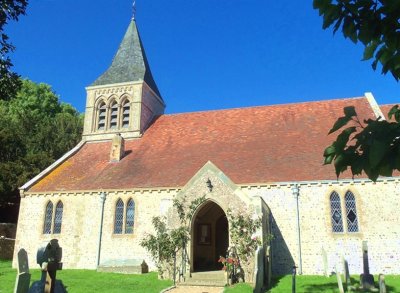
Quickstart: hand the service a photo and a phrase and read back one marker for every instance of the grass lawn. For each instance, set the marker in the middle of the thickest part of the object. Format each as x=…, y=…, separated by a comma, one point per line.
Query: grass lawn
x=309, y=284
x=85, y=281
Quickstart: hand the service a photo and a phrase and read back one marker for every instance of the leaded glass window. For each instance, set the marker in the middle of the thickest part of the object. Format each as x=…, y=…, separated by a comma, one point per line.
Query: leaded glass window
x=58, y=218
x=130, y=216
x=125, y=114
x=102, y=116
x=114, y=115
x=351, y=212
x=119, y=217
x=336, y=213
x=47, y=218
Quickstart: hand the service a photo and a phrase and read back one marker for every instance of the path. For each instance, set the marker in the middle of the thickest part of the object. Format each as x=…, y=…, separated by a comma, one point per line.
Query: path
x=196, y=289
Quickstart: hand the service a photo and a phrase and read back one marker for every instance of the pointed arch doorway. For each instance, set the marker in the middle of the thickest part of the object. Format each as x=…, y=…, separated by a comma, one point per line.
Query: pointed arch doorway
x=210, y=237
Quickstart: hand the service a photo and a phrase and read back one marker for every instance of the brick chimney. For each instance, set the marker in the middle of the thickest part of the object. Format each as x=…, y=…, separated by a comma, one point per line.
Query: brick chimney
x=117, y=148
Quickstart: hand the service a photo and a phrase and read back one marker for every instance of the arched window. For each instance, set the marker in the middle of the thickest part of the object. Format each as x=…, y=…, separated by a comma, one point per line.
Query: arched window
x=58, y=218
x=351, y=212
x=130, y=216
x=101, y=122
x=336, y=213
x=47, y=218
x=119, y=217
x=114, y=115
x=125, y=113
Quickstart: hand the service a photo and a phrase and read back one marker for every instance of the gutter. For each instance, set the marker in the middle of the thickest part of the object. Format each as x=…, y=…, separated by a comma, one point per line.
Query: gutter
x=296, y=193
x=103, y=196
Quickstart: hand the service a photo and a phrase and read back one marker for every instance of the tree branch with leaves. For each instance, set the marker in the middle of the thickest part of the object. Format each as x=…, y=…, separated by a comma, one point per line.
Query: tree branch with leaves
x=375, y=23
x=371, y=146
x=10, y=10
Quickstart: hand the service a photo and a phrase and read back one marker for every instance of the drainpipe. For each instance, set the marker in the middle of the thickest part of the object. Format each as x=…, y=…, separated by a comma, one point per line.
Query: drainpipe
x=296, y=194
x=103, y=196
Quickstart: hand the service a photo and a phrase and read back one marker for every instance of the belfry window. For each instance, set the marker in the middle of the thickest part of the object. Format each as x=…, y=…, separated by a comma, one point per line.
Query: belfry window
x=48, y=218
x=351, y=212
x=102, y=116
x=125, y=113
x=114, y=116
x=119, y=217
x=58, y=218
x=336, y=213
x=130, y=216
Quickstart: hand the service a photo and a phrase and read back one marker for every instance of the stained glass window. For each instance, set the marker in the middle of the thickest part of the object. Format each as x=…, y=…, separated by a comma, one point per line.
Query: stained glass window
x=119, y=217
x=351, y=212
x=130, y=216
x=58, y=218
x=336, y=213
x=47, y=218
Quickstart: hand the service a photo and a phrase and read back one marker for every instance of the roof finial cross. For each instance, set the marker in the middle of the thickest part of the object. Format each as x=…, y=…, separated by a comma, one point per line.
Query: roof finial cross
x=134, y=10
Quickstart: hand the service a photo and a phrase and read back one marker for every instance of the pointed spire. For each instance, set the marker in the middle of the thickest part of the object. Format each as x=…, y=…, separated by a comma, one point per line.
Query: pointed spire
x=129, y=63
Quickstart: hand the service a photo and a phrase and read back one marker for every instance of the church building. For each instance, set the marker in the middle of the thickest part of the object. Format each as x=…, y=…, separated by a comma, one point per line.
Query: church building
x=99, y=199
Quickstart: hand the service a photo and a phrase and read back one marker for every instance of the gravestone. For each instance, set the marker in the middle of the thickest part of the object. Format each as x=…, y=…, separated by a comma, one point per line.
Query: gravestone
x=325, y=262
x=49, y=259
x=382, y=285
x=23, y=276
x=366, y=279
x=339, y=280
x=346, y=273
x=259, y=270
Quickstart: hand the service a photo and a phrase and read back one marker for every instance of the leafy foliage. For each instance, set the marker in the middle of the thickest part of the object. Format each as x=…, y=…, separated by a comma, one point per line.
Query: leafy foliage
x=164, y=245
x=9, y=81
x=35, y=130
x=375, y=23
x=242, y=228
x=372, y=146
x=245, y=240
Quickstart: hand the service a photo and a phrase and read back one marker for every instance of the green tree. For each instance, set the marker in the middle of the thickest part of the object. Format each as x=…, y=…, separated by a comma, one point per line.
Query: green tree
x=9, y=80
x=375, y=23
x=35, y=130
x=371, y=146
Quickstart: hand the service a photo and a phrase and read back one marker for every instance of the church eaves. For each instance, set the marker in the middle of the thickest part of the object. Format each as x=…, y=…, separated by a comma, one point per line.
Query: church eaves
x=129, y=63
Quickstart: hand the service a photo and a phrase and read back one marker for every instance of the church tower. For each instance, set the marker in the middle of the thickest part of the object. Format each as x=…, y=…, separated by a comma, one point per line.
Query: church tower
x=124, y=99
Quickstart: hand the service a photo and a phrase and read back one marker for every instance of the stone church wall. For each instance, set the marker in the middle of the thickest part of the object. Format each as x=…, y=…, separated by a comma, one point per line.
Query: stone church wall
x=80, y=228
x=378, y=220
x=377, y=209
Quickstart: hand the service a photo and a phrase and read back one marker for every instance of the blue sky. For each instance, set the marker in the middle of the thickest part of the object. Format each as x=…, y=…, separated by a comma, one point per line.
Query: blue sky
x=204, y=55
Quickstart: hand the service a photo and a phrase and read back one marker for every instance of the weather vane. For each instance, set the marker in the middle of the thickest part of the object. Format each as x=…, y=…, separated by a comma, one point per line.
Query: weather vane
x=133, y=9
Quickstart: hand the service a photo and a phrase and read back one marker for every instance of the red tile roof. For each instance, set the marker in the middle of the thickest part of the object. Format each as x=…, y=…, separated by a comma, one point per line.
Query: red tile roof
x=250, y=145
x=385, y=110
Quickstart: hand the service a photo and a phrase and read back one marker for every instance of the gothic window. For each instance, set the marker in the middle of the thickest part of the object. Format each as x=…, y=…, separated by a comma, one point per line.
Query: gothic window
x=47, y=218
x=119, y=217
x=125, y=114
x=114, y=115
x=130, y=216
x=58, y=218
x=101, y=122
x=351, y=212
x=336, y=213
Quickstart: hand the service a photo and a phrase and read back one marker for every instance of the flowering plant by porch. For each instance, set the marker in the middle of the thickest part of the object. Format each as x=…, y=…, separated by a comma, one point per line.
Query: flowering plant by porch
x=228, y=263
x=245, y=236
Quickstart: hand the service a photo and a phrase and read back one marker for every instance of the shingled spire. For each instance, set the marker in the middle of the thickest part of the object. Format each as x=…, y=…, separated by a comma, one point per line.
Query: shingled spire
x=124, y=99
x=130, y=62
